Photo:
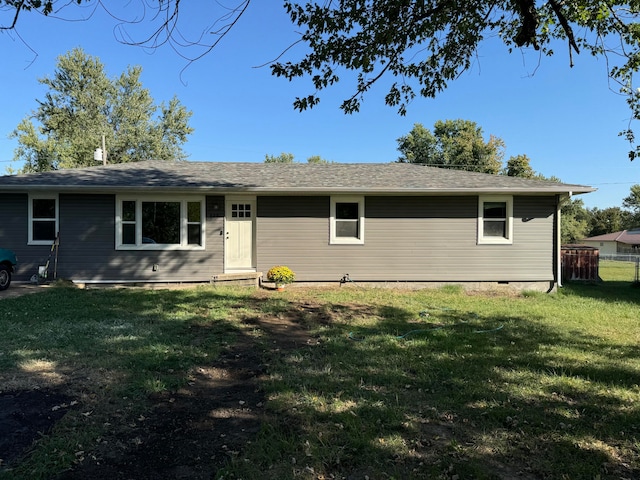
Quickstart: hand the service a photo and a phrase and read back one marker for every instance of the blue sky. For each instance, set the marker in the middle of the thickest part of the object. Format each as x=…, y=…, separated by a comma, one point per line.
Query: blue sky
x=565, y=119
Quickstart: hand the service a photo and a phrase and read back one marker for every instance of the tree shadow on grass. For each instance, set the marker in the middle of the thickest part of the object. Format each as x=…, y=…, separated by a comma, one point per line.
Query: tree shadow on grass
x=607, y=291
x=405, y=396
x=165, y=385
x=466, y=395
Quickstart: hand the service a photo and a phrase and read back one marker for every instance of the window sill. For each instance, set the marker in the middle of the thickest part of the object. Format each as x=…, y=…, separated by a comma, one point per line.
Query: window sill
x=355, y=241
x=495, y=241
x=41, y=242
x=160, y=247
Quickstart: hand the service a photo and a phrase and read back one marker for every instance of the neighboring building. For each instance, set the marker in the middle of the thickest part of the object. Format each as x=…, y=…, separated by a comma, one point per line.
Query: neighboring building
x=626, y=242
x=197, y=221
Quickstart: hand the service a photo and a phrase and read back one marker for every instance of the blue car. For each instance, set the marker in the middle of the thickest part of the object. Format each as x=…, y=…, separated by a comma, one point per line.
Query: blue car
x=8, y=262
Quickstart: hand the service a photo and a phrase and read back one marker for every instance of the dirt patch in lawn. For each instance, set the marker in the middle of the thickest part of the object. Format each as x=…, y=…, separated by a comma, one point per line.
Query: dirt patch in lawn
x=186, y=434
x=25, y=415
x=20, y=289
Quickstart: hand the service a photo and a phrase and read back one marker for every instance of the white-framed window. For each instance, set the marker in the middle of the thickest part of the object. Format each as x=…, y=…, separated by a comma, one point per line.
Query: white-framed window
x=160, y=223
x=347, y=220
x=495, y=219
x=43, y=218
x=241, y=210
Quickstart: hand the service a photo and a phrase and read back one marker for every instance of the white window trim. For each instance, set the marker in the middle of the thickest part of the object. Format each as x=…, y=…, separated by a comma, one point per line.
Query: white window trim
x=184, y=224
x=34, y=196
x=333, y=240
x=508, y=240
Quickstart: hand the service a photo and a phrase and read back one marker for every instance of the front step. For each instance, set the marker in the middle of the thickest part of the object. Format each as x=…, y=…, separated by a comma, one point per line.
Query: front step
x=244, y=279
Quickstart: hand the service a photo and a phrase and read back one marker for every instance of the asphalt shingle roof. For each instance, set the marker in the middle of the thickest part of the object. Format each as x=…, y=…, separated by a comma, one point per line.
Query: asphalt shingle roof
x=280, y=178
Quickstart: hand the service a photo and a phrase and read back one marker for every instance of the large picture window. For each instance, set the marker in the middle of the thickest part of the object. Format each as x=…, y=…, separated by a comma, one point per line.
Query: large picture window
x=43, y=219
x=495, y=219
x=347, y=220
x=159, y=224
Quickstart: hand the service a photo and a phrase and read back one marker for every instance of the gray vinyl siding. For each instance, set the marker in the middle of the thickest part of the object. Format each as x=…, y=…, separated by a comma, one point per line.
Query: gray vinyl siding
x=14, y=234
x=413, y=238
x=87, y=245
x=406, y=239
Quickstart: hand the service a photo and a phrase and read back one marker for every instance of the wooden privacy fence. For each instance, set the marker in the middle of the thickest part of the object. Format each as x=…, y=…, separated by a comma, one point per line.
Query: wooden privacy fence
x=580, y=262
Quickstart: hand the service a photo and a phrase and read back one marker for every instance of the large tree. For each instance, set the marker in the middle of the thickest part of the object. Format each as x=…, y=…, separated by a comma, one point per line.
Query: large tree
x=457, y=144
x=422, y=44
x=574, y=223
x=607, y=220
x=519, y=166
x=83, y=104
x=632, y=202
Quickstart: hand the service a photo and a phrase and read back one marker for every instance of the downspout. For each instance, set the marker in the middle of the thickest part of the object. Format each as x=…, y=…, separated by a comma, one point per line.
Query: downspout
x=561, y=201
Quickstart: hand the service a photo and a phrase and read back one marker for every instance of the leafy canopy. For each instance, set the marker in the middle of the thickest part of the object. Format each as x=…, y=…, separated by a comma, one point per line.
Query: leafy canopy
x=615, y=219
x=608, y=220
x=285, y=157
x=632, y=202
x=422, y=45
x=574, y=223
x=456, y=144
x=519, y=166
x=83, y=104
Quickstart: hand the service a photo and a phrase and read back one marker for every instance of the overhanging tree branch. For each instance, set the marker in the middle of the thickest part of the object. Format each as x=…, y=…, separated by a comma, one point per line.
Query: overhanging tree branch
x=19, y=7
x=372, y=39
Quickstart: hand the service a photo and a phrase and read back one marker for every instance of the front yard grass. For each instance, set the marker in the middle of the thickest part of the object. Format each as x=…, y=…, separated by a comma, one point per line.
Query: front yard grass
x=397, y=384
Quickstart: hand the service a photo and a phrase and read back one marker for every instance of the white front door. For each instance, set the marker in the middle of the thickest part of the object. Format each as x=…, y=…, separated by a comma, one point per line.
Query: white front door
x=239, y=233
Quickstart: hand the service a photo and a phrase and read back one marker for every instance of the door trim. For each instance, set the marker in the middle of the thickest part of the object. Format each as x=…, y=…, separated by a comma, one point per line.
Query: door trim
x=229, y=201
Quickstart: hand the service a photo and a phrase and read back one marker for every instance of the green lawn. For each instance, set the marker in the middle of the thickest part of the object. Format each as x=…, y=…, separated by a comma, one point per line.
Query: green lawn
x=425, y=384
x=612, y=271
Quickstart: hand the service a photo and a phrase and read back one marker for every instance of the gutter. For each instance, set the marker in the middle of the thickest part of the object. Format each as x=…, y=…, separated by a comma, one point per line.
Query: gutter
x=222, y=190
x=562, y=199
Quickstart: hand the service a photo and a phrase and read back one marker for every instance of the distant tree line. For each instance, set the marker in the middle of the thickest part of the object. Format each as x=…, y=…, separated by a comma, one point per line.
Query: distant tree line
x=285, y=157
x=460, y=145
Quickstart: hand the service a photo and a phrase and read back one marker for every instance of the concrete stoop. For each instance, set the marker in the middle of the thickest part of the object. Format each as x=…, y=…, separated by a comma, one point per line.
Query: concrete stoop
x=244, y=279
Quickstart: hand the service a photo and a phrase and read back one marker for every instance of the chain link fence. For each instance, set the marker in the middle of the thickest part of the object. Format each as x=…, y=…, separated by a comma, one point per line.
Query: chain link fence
x=629, y=259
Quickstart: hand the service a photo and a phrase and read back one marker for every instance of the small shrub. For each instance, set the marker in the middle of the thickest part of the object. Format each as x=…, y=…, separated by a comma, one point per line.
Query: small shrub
x=281, y=275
